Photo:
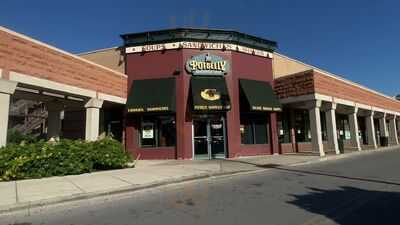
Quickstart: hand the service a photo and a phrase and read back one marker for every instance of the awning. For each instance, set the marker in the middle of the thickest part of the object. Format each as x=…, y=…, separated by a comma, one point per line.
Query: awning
x=152, y=95
x=259, y=95
x=210, y=94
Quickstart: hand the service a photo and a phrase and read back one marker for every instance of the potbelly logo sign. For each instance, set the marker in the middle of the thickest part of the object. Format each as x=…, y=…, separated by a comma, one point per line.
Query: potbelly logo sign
x=207, y=65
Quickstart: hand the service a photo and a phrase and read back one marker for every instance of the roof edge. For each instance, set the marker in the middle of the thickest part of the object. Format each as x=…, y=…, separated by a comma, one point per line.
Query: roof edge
x=165, y=35
x=4, y=29
x=98, y=50
x=335, y=76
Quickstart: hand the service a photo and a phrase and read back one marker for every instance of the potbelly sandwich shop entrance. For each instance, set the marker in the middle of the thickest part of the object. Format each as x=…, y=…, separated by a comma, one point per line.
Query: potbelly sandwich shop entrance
x=210, y=101
x=198, y=100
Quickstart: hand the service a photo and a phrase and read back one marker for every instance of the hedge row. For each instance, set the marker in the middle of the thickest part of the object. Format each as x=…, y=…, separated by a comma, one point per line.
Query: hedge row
x=64, y=157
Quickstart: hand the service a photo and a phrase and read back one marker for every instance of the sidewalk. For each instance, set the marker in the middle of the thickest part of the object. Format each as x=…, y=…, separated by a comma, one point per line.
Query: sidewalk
x=22, y=194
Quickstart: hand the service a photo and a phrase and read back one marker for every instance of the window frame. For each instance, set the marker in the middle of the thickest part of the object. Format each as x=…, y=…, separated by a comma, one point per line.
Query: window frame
x=302, y=124
x=284, y=123
x=251, y=121
x=343, y=125
x=157, y=121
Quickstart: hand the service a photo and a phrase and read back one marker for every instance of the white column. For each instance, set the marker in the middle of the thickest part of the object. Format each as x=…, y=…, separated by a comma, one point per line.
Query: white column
x=397, y=126
x=330, y=116
x=382, y=126
x=355, y=139
x=369, y=122
x=7, y=88
x=92, y=119
x=315, y=125
x=54, y=119
x=393, y=131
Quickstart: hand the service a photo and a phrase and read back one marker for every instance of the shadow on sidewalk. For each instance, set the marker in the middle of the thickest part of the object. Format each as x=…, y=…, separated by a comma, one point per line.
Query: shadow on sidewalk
x=350, y=206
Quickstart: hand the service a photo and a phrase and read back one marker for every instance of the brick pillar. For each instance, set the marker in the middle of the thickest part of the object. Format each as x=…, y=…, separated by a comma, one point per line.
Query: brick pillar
x=184, y=141
x=274, y=133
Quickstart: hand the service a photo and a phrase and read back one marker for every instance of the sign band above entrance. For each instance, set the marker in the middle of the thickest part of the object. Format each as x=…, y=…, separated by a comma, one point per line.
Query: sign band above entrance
x=198, y=45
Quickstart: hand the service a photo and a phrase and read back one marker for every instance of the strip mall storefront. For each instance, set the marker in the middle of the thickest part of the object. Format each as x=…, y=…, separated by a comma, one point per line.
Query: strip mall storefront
x=192, y=98
x=193, y=94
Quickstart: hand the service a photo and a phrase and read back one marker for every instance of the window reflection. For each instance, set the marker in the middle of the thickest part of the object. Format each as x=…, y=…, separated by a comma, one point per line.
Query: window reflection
x=254, y=129
x=157, y=131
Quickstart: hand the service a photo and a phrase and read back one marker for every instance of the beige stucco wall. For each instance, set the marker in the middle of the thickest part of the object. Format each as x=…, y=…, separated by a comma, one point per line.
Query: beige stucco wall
x=110, y=57
x=113, y=59
x=283, y=66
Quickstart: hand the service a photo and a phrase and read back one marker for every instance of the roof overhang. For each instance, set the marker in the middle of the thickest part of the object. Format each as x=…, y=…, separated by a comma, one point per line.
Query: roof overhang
x=198, y=35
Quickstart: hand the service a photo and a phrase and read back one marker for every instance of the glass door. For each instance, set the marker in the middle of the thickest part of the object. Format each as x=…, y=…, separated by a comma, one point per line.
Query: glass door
x=217, y=138
x=200, y=139
x=209, y=137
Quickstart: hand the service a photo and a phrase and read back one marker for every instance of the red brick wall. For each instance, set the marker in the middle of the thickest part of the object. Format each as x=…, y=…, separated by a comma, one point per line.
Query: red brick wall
x=287, y=148
x=156, y=65
x=160, y=64
x=22, y=55
x=330, y=86
x=186, y=132
x=246, y=66
x=310, y=82
x=295, y=85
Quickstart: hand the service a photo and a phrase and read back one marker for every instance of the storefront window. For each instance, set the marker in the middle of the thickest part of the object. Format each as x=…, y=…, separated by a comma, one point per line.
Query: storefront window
x=157, y=131
x=284, y=127
x=387, y=126
x=302, y=126
x=343, y=126
x=323, y=126
x=362, y=130
x=254, y=129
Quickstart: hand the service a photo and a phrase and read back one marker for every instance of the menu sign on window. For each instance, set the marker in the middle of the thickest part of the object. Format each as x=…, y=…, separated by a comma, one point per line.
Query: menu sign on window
x=147, y=131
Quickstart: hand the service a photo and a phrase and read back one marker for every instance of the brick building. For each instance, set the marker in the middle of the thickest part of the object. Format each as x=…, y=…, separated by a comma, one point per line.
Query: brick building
x=196, y=94
x=64, y=83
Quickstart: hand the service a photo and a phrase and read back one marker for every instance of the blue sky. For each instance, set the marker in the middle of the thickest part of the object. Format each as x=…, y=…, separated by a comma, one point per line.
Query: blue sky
x=356, y=39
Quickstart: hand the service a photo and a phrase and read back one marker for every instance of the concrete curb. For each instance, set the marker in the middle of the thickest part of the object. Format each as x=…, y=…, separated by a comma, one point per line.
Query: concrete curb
x=132, y=188
x=89, y=195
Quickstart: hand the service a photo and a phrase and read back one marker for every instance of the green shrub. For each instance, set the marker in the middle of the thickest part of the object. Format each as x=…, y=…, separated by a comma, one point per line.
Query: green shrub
x=65, y=157
x=16, y=137
x=107, y=154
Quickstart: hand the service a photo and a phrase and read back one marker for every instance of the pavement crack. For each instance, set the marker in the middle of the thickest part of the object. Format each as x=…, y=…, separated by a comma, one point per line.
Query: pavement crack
x=70, y=181
x=16, y=192
x=123, y=180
